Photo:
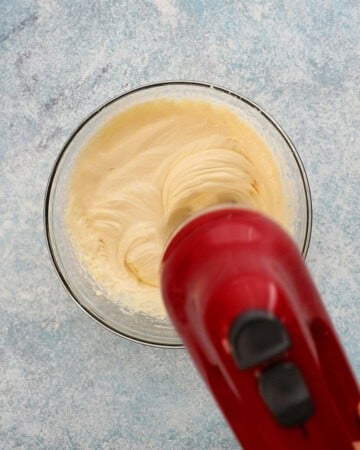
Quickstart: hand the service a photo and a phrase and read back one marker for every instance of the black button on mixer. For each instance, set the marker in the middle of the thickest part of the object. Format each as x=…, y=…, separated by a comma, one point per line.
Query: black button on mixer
x=284, y=391
x=256, y=336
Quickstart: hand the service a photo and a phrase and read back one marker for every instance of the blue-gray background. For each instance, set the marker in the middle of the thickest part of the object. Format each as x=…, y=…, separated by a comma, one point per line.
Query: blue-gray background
x=65, y=382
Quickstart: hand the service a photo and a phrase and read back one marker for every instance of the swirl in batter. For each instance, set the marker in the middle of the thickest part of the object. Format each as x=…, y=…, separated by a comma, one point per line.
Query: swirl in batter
x=146, y=171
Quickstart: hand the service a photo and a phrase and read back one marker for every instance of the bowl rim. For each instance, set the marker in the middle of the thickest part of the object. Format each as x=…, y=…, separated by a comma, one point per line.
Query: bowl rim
x=83, y=123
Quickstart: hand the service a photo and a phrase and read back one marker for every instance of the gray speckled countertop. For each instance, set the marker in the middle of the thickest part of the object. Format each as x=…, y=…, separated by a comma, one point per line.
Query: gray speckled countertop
x=67, y=383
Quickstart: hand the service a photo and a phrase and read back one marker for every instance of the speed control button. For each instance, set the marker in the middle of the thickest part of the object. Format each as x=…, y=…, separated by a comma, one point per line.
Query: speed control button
x=256, y=337
x=285, y=393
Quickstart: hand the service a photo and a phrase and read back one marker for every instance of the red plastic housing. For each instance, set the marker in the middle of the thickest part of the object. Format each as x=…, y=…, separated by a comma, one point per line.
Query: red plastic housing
x=228, y=261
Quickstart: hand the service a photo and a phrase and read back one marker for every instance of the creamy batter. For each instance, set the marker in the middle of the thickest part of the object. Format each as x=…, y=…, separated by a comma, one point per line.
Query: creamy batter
x=146, y=171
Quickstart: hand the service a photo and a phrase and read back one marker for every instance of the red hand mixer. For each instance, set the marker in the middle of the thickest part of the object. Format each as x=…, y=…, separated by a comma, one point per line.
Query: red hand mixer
x=238, y=292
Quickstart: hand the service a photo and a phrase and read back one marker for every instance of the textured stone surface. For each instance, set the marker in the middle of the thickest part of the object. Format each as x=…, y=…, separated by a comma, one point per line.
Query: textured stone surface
x=65, y=382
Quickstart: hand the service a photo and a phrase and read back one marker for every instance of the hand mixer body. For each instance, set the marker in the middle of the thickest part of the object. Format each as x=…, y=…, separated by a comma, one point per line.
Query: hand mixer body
x=240, y=296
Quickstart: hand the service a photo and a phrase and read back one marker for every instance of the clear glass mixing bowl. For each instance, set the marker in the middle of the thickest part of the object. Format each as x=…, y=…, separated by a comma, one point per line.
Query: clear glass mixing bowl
x=140, y=327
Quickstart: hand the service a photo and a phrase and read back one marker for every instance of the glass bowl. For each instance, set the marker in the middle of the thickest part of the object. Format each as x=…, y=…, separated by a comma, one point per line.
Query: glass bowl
x=138, y=326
